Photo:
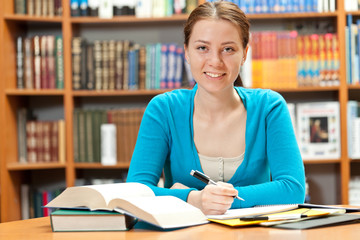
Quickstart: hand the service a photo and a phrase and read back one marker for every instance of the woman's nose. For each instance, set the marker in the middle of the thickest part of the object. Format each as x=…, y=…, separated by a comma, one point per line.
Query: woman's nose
x=215, y=59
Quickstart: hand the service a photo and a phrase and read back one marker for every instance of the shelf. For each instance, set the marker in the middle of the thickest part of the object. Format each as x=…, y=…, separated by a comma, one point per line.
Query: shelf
x=87, y=93
x=321, y=161
x=130, y=19
x=100, y=166
x=308, y=89
x=33, y=166
x=31, y=92
x=292, y=15
x=27, y=18
x=354, y=87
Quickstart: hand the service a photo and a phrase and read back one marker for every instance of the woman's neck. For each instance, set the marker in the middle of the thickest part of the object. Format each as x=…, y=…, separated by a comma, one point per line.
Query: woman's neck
x=216, y=106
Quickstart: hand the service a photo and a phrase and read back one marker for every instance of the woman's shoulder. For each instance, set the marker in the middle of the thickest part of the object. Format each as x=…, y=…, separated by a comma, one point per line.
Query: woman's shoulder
x=259, y=94
x=174, y=98
x=177, y=96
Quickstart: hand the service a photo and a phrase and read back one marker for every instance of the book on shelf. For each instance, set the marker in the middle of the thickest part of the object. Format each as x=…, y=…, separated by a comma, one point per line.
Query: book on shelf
x=48, y=8
x=133, y=199
x=39, y=62
x=318, y=130
x=108, y=144
x=40, y=141
x=125, y=65
x=68, y=220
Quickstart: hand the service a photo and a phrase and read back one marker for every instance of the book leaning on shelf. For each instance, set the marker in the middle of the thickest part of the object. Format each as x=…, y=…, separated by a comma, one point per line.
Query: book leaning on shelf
x=133, y=199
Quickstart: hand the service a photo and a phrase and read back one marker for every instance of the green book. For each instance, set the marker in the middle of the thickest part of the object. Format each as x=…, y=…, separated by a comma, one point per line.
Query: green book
x=71, y=220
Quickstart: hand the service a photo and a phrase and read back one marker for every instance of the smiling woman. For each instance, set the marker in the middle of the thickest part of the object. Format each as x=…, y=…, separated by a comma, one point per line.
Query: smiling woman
x=237, y=136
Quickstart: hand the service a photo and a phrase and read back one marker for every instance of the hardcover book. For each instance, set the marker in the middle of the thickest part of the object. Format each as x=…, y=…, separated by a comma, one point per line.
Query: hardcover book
x=134, y=199
x=318, y=130
x=68, y=220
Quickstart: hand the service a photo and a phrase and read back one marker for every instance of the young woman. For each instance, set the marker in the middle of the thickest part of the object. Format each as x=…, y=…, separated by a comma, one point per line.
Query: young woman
x=241, y=138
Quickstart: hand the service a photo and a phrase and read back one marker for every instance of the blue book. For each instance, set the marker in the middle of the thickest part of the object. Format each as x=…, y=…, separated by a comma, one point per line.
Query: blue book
x=350, y=60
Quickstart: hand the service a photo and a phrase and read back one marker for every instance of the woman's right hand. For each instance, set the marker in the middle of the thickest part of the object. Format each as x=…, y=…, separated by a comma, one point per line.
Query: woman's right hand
x=213, y=199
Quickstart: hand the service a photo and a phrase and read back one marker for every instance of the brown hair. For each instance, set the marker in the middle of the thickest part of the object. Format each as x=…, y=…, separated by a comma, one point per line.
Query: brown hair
x=219, y=10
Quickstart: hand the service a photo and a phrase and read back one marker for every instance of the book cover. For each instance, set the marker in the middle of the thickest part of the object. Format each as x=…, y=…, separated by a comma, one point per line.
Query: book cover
x=67, y=220
x=318, y=130
x=134, y=199
x=108, y=144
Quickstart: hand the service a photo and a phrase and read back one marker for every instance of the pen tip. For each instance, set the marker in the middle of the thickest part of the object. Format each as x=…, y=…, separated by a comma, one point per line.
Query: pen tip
x=192, y=172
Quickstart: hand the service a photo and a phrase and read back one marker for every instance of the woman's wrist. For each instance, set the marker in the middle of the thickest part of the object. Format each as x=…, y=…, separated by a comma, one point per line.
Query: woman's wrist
x=194, y=198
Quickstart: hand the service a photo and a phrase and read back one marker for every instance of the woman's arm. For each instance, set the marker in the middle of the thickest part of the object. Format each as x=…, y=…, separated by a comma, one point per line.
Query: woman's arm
x=287, y=184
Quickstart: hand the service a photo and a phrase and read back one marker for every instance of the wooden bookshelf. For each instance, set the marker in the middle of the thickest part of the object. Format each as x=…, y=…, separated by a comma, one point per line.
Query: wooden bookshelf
x=12, y=173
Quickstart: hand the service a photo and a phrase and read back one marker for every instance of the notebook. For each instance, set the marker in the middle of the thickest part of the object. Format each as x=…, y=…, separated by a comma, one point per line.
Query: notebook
x=321, y=222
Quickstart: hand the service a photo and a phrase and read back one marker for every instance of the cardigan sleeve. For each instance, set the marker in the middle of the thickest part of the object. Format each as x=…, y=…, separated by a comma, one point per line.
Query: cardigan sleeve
x=152, y=149
x=287, y=185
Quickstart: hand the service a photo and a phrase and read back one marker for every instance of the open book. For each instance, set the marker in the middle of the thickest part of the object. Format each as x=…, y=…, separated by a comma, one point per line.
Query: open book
x=134, y=199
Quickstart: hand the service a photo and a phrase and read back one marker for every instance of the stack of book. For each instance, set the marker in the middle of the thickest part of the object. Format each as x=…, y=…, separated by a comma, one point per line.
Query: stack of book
x=127, y=203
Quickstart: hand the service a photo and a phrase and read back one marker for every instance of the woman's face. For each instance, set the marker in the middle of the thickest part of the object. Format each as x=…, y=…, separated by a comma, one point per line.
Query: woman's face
x=215, y=54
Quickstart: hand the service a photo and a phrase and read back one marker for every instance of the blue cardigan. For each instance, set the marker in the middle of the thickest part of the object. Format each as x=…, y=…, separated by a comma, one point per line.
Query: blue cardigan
x=272, y=171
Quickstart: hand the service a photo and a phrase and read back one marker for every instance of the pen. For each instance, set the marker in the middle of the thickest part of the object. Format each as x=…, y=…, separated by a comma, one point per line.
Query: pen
x=274, y=217
x=205, y=179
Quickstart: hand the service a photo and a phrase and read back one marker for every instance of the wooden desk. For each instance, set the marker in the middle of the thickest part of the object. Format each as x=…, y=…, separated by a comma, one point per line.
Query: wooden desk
x=36, y=229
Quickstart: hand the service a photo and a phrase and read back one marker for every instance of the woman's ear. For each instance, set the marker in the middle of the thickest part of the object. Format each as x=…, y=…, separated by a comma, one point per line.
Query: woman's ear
x=186, y=54
x=245, y=55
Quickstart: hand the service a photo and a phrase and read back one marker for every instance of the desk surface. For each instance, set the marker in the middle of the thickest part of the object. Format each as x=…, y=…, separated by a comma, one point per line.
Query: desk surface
x=39, y=228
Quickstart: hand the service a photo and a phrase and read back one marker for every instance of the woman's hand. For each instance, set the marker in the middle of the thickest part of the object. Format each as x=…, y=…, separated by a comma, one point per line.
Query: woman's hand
x=213, y=199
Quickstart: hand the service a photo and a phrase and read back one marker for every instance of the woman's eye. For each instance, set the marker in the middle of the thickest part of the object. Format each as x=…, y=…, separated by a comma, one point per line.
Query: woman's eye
x=228, y=49
x=201, y=48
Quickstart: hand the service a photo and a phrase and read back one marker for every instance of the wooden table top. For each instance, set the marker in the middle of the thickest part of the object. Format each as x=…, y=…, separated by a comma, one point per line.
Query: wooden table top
x=40, y=229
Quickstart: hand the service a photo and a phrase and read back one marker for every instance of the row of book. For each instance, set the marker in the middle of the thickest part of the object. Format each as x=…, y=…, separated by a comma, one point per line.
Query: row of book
x=124, y=65
x=40, y=62
x=33, y=200
x=95, y=141
x=354, y=191
x=140, y=8
x=284, y=6
x=351, y=5
x=39, y=7
x=317, y=129
x=352, y=49
x=286, y=59
x=40, y=141
x=353, y=128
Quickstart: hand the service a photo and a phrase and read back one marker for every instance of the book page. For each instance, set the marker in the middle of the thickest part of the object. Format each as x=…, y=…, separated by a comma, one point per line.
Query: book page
x=242, y=212
x=96, y=197
x=122, y=190
x=163, y=211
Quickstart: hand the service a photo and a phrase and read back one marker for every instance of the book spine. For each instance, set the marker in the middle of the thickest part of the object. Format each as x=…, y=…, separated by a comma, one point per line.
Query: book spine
x=28, y=66
x=112, y=64
x=20, y=63
x=76, y=61
x=59, y=62
x=108, y=144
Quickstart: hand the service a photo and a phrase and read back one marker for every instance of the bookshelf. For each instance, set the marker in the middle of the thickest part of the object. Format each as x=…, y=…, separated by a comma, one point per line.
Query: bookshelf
x=13, y=174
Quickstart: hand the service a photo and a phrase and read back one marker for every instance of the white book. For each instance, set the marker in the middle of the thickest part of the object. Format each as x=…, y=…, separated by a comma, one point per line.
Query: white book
x=25, y=202
x=108, y=144
x=291, y=107
x=106, y=9
x=352, y=113
x=318, y=130
x=134, y=199
x=143, y=8
x=355, y=141
x=246, y=70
